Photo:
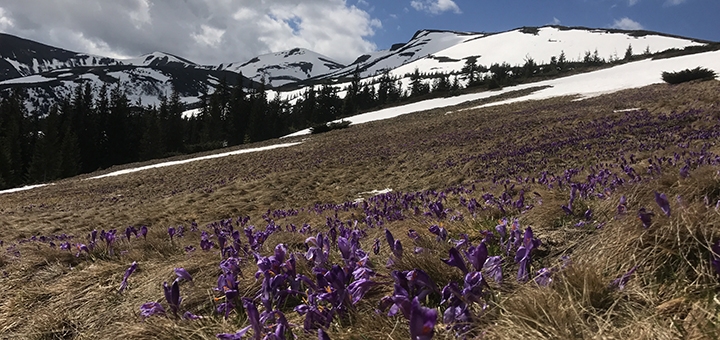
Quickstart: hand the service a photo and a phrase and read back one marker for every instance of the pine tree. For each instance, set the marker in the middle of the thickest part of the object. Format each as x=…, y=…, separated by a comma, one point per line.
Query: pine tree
x=628, y=53
x=45, y=162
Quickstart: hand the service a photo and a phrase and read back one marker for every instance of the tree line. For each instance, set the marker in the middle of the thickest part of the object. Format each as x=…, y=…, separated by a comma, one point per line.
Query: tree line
x=96, y=128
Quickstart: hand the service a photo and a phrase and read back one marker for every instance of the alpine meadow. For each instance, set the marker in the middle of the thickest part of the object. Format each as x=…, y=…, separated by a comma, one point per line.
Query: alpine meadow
x=540, y=183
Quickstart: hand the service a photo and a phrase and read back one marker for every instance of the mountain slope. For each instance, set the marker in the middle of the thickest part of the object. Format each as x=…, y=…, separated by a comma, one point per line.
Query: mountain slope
x=21, y=57
x=541, y=44
x=422, y=44
x=159, y=59
x=286, y=67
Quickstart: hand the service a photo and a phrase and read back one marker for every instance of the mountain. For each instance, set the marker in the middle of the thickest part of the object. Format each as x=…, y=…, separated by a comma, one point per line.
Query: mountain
x=21, y=57
x=282, y=68
x=541, y=44
x=422, y=44
x=48, y=73
x=159, y=59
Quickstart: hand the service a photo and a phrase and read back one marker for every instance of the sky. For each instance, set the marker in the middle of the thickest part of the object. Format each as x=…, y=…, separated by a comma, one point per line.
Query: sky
x=212, y=32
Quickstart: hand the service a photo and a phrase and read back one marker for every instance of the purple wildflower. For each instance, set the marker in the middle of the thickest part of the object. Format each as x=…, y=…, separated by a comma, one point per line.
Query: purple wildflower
x=149, y=309
x=645, y=217
x=662, y=201
x=422, y=321
x=128, y=272
x=183, y=274
x=623, y=280
x=456, y=260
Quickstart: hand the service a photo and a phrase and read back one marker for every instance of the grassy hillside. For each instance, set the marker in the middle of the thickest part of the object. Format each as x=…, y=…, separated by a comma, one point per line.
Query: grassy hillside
x=462, y=171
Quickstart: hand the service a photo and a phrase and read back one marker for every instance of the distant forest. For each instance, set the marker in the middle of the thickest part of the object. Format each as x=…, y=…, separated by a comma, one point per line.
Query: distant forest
x=96, y=128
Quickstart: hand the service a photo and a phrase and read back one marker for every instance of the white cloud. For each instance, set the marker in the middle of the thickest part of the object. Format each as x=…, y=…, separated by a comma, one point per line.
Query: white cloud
x=5, y=23
x=435, y=6
x=204, y=31
x=555, y=21
x=674, y=2
x=633, y=2
x=626, y=24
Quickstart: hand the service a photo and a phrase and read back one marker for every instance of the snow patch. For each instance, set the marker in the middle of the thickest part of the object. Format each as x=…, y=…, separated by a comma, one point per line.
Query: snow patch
x=219, y=155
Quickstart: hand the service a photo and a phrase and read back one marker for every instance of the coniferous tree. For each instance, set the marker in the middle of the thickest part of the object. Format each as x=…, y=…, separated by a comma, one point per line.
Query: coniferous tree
x=309, y=106
x=628, y=53
x=45, y=163
x=151, y=143
x=350, y=102
x=238, y=109
x=256, y=125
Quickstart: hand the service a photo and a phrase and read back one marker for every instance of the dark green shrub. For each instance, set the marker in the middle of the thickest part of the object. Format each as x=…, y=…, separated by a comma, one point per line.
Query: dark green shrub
x=688, y=75
x=324, y=127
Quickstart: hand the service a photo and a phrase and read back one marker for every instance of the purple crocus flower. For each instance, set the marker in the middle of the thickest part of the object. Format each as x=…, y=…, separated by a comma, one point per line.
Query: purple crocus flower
x=397, y=249
x=171, y=232
x=645, y=217
x=440, y=232
x=422, y=321
x=149, y=309
x=685, y=171
x=172, y=295
x=376, y=246
x=358, y=288
x=128, y=272
x=623, y=280
x=662, y=201
x=253, y=317
x=233, y=336
x=191, y=316
x=143, y=231
x=456, y=260
x=390, y=239
x=493, y=267
x=81, y=247
x=322, y=335
x=524, y=252
x=477, y=256
x=183, y=274
x=622, y=206
x=543, y=277
x=129, y=231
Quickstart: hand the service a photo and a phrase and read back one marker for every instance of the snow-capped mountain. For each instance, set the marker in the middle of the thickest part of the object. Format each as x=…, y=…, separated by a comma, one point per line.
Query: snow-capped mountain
x=541, y=44
x=422, y=44
x=282, y=68
x=159, y=59
x=50, y=72
x=21, y=57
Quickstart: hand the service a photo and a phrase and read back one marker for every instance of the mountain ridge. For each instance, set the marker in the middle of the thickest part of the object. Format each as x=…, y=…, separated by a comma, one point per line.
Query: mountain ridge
x=34, y=65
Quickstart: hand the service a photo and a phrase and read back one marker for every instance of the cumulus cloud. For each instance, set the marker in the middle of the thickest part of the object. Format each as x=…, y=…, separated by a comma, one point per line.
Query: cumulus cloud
x=626, y=24
x=205, y=31
x=435, y=6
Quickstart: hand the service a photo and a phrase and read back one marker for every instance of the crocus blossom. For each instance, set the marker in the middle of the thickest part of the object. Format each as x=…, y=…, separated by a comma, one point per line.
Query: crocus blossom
x=623, y=280
x=422, y=321
x=128, y=272
x=183, y=274
x=645, y=217
x=456, y=260
x=662, y=201
x=149, y=309
x=172, y=296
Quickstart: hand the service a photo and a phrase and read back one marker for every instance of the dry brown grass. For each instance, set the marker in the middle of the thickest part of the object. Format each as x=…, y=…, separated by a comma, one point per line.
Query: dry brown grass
x=51, y=294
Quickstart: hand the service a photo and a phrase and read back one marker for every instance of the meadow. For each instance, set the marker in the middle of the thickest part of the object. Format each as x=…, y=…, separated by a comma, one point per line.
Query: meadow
x=552, y=219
